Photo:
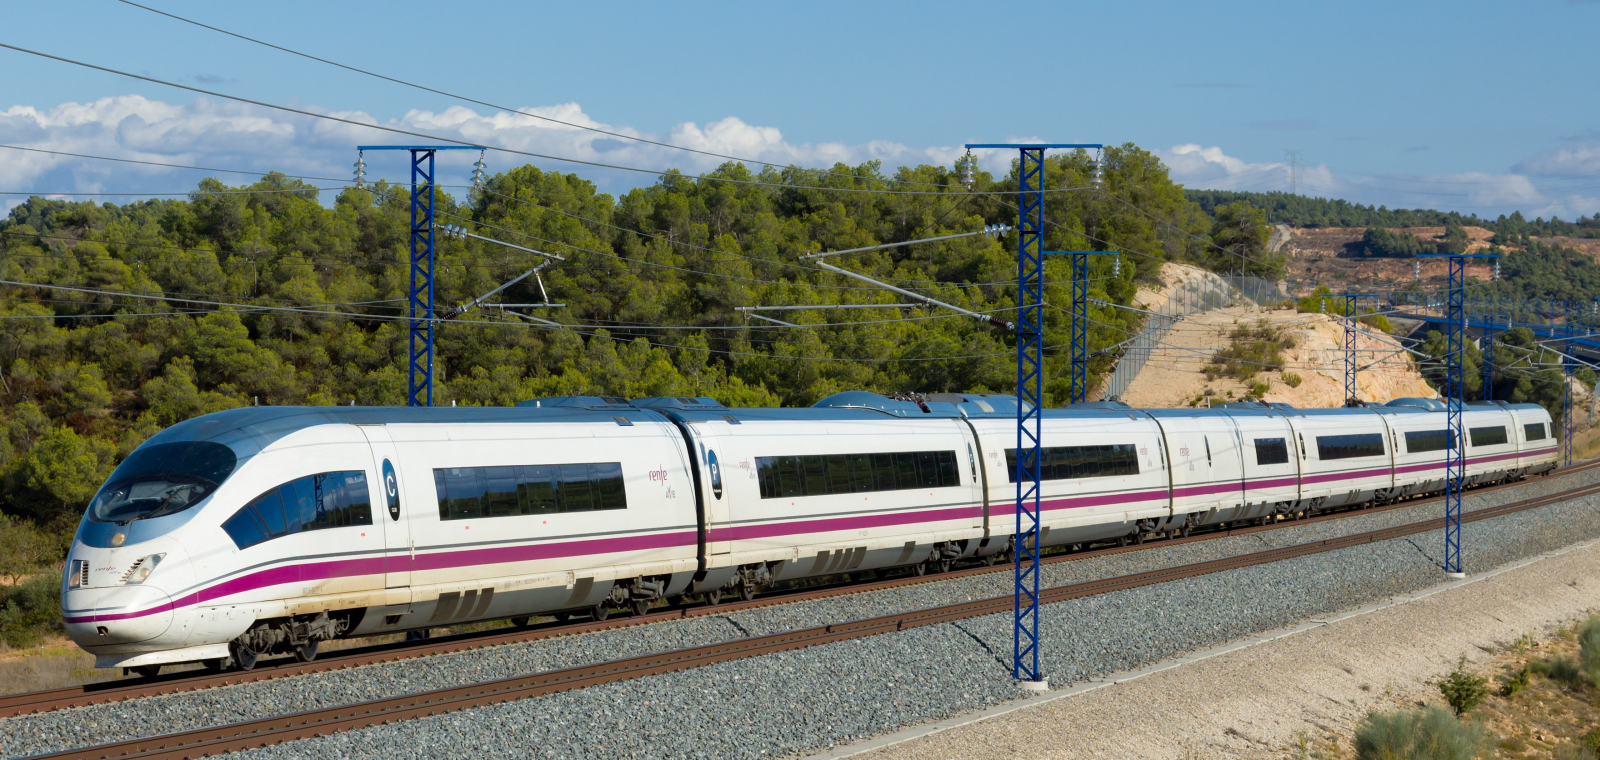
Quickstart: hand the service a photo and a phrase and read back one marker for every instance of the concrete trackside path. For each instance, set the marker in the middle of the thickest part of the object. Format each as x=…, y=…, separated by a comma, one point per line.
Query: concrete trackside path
x=1255, y=698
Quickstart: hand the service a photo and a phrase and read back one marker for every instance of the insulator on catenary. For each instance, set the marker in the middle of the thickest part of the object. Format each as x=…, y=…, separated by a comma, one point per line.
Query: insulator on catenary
x=361, y=169
x=964, y=166
x=478, y=172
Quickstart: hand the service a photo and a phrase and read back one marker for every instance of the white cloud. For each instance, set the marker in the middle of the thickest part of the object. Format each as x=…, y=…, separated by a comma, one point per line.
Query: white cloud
x=228, y=135
x=235, y=136
x=1582, y=160
x=1487, y=195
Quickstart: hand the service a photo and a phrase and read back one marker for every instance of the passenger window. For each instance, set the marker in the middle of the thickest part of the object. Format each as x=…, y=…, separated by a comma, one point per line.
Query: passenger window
x=245, y=529
x=270, y=507
x=576, y=495
x=314, y=502
x=304, y=511
x=1272, y=451
x=821, y=475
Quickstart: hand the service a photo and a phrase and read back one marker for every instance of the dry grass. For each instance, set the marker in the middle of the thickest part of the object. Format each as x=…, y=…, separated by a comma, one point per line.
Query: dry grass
x=58, y=662
x=50, y=665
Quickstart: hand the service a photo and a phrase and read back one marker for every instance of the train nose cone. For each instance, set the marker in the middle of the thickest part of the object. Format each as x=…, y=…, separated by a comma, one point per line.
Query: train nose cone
x=102, y=617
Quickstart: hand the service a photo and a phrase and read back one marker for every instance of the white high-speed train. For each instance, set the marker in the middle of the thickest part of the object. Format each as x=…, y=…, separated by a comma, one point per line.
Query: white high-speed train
x=268, y=530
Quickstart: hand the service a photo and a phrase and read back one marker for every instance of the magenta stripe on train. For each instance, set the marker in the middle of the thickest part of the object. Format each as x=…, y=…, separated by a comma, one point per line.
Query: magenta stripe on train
x=527, y=552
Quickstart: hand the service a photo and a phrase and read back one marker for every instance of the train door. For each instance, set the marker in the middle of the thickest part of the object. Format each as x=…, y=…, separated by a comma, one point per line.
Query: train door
x=389, y=508
x=717, y=465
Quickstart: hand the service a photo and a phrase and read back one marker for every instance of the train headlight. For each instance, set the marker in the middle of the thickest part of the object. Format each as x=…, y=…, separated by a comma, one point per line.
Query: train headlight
x=142, y=569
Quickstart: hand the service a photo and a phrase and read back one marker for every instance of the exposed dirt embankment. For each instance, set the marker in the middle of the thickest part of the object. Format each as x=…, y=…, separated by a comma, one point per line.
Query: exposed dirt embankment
x=1180, y=282
x=1312, y=373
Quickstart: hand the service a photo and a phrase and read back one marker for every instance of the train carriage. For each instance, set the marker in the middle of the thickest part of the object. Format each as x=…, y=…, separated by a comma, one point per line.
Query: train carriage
x=269, y=530
x=1345, y=456
x=1420, y=437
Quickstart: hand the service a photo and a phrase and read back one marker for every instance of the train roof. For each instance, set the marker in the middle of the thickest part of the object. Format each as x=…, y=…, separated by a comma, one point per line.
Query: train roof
x=251, y=429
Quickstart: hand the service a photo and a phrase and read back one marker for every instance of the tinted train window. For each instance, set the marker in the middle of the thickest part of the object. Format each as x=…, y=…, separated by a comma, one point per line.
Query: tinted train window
x=1074, y=462
x=1534, y=431
x=1488, y=436
x=468, y=493
x=314, y=502
x=824, y=475
x=1272, y=451
x=1419, y=441
x=1349, y=446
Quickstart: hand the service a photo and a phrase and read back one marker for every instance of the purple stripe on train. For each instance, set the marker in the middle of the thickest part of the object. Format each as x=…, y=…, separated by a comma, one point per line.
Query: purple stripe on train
x=529, y=552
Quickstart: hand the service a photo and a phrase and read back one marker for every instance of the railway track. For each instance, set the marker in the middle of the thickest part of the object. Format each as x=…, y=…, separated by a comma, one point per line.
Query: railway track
x=278, y=729
x=172, y=683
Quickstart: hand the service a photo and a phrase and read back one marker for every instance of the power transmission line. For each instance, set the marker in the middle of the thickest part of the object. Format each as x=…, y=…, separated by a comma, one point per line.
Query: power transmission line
x=1294, y=168
x=953, y=189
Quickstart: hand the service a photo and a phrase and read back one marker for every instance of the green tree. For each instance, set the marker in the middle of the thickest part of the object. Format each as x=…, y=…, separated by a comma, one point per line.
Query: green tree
x=1241, y=230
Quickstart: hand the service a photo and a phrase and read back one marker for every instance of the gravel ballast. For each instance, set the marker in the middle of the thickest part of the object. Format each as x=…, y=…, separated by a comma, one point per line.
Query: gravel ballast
x=809, y=699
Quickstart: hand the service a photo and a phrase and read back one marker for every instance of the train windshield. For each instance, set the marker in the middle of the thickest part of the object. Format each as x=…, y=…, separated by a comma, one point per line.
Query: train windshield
x=160, y=480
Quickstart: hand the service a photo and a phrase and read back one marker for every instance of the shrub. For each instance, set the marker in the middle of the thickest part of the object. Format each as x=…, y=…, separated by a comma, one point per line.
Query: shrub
x=1517, y=682
x=30, y=610
x=1260, y=389
x=1291, y=379
x=1253, y=349
x=1463, y=690
x=1591, y=742
x=24, y=548
x=1377, y=321
x=1574, y=752
x=1430, y=734
x=1562, y=669
x=1589, y=644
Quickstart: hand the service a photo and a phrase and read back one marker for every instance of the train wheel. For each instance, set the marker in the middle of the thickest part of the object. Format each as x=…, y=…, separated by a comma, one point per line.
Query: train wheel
x=989, y=560
x=1138, y=538
x=747, y=592
x=921, y=568
x=306, y=653
x=1185, y=531
x=641, y=607
x=562, y=617
x=146, y=671
x=600, y=612
x=520, y=622
x=714, y=597
x=1122, y=540
x=244, y=658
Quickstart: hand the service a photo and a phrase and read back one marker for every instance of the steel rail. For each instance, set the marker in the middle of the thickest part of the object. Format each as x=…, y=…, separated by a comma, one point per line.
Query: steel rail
x=274, y=730
x=173, y=683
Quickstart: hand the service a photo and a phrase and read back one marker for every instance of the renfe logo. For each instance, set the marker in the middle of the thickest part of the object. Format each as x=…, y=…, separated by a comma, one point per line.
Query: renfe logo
x=659, y=475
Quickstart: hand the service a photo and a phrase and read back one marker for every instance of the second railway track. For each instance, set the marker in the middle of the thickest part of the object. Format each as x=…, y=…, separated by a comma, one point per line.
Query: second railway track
x=112, y=691
x=273, y=730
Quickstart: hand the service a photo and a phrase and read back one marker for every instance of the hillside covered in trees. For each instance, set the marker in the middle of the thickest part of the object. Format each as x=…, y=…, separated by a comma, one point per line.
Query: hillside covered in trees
x=119, y=320
x=1305, y=211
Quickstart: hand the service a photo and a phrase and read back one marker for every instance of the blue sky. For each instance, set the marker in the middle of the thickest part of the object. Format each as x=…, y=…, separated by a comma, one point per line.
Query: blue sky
x=1481, y=107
